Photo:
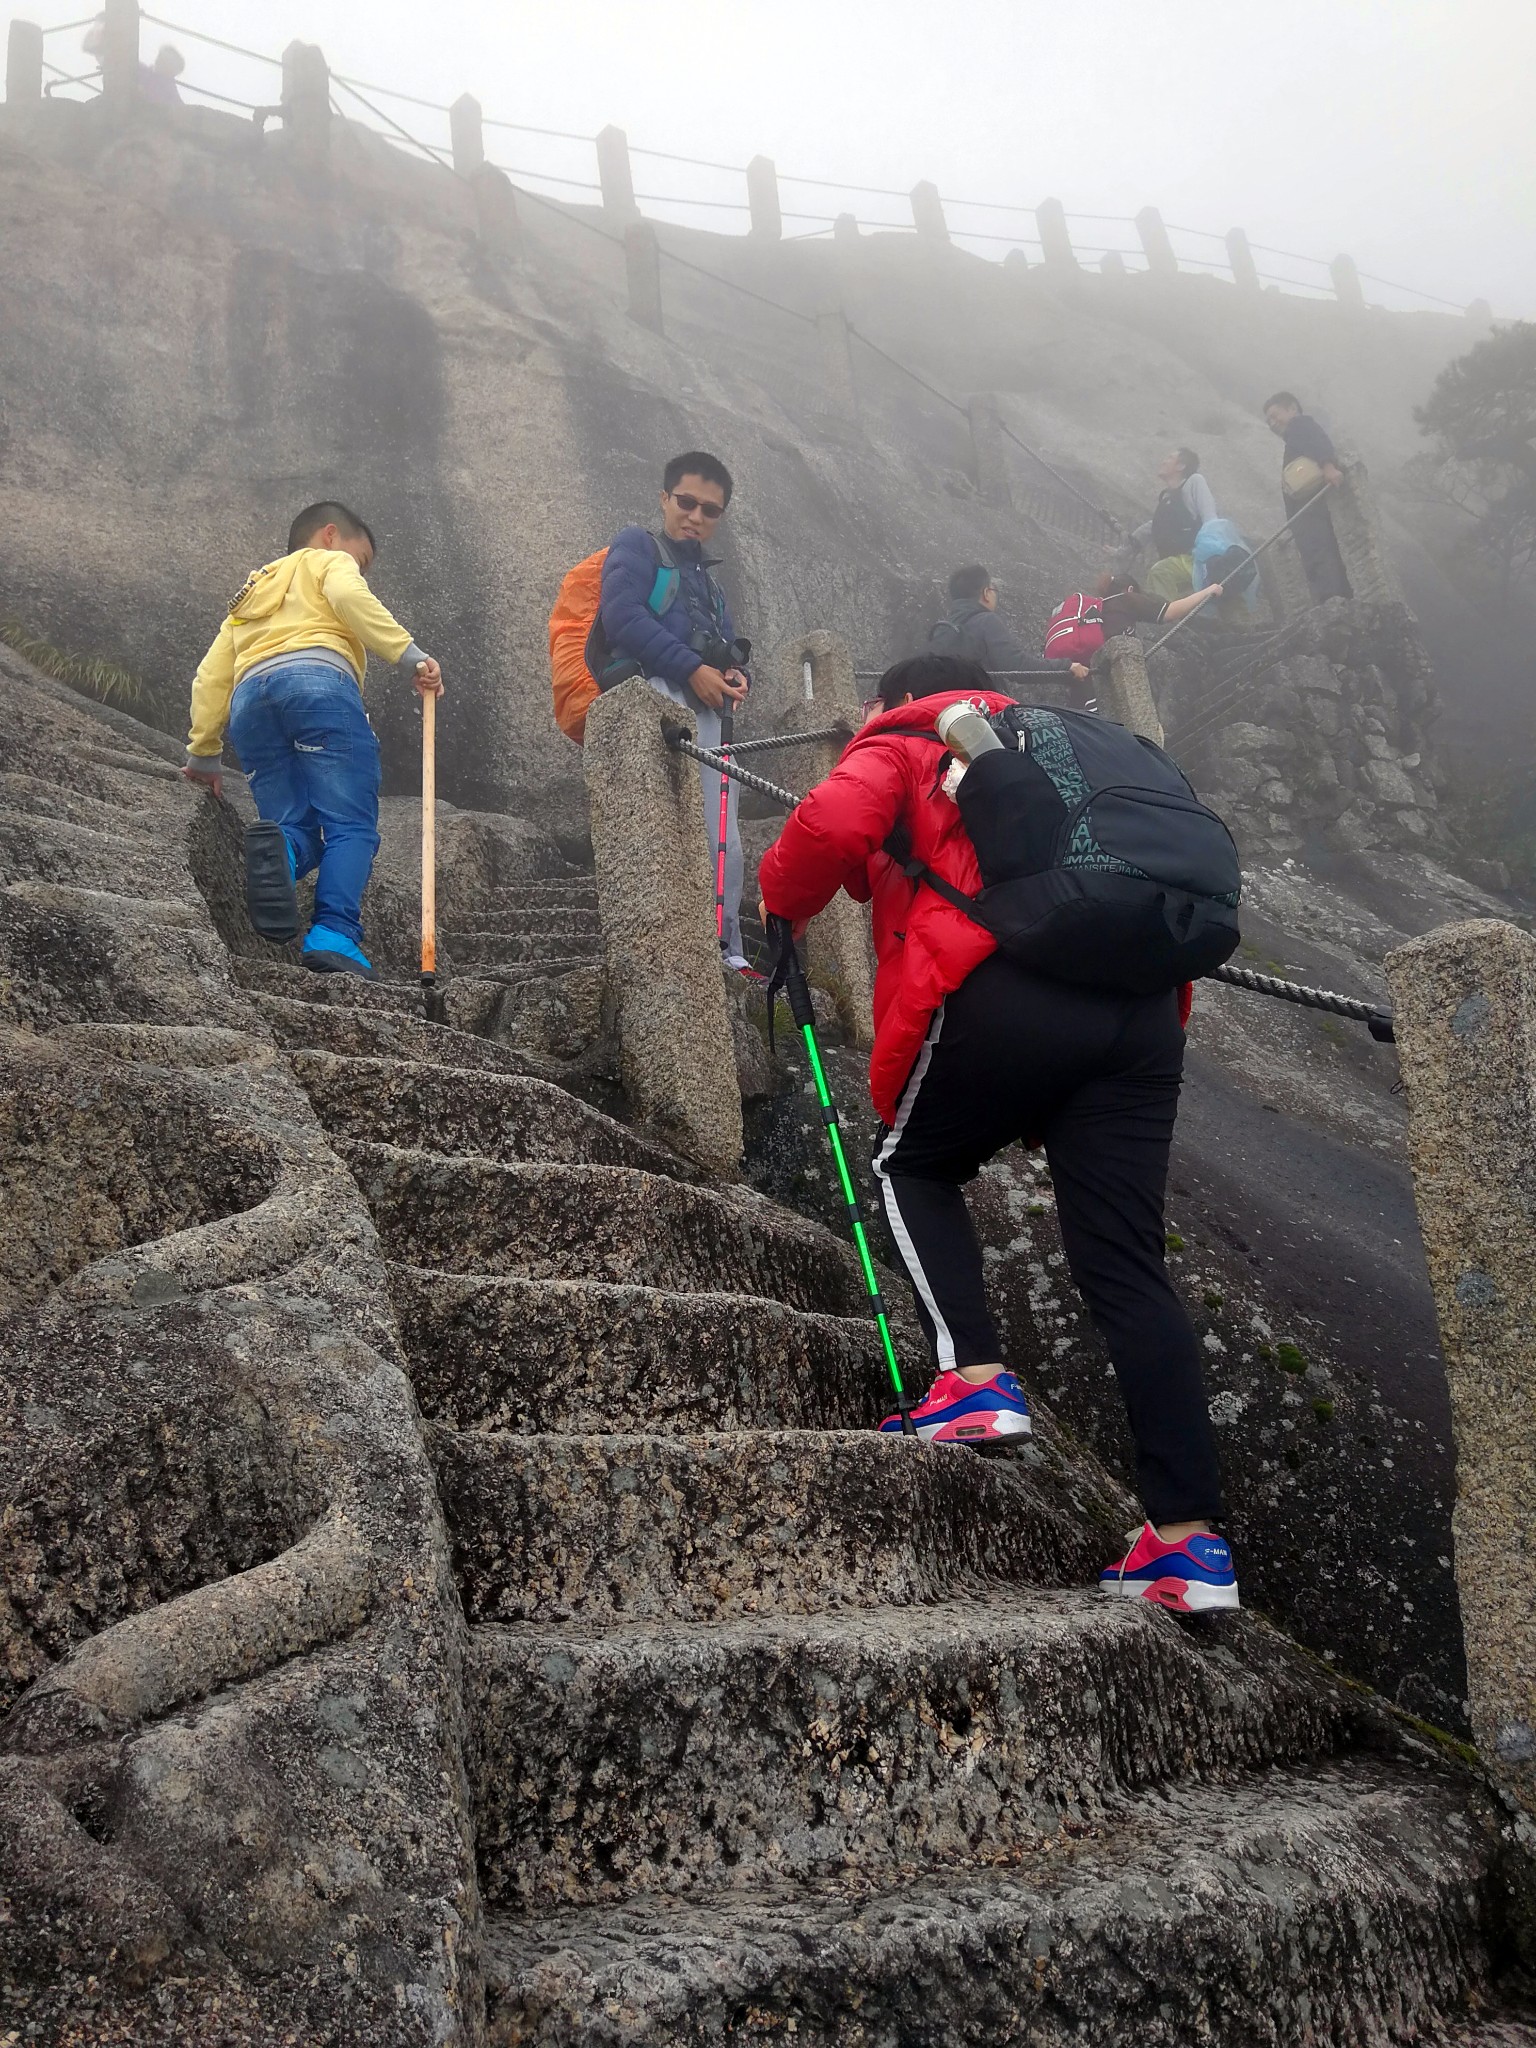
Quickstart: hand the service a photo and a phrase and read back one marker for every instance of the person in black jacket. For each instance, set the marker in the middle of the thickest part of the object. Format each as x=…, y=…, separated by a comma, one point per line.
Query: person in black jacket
x=1308, y=440
x=973, y=630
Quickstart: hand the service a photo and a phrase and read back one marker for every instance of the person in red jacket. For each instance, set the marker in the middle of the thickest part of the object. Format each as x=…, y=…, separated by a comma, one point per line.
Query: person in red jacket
x=973, y=1053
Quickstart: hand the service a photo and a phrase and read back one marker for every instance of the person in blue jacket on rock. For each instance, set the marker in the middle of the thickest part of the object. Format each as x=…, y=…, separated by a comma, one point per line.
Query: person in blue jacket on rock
x=665, y=617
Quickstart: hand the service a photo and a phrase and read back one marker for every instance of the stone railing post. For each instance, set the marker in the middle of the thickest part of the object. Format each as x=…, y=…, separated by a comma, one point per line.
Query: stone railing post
x=1016, y=262
x=763, y=199
x=642, y=269
x=989, y=463
x=467, y=133
x=837, y=359
x=1357, y=527
x=23, y=64
x=1464, y=1005
x=497, y=221
x=120, y=52
x=307, y=102
x=1056, y=251
x=1112, y=264
x=1244, y=270
x=615, y=176
x=656, y=905
x=1479, y=314
x=839, y=953
x=1125, y=695
x=928, y=213
x=846, y=228
x=1155, y=242
x=1346, y=283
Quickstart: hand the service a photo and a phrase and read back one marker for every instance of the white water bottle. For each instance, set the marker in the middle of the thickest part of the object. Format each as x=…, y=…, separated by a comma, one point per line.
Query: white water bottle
x=966, y=730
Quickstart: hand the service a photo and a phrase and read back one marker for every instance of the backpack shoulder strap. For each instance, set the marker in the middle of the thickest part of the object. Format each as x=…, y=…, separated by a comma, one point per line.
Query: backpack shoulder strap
x=668, y=578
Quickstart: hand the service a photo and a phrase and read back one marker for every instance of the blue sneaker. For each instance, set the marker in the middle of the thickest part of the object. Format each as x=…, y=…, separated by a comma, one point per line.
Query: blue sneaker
x=1189, y=1577
x=955, y=1412
x=328, y=952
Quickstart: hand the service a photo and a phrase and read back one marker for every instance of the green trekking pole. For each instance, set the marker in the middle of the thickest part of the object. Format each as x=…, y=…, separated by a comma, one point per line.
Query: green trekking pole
x=781, y=935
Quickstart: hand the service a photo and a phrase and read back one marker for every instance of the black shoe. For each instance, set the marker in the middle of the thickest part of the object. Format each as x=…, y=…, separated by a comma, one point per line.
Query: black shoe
x=321, y=960
x=271, y=901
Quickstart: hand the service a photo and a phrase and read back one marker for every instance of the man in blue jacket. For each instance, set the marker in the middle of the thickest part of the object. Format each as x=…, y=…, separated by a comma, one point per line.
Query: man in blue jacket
x=665, y=617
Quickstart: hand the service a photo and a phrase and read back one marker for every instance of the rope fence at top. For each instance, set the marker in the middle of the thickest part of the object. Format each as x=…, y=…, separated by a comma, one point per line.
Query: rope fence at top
x=358, y=87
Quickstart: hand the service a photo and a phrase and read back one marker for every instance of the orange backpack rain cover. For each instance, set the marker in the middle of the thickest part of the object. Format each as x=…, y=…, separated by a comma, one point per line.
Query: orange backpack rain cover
x=575, y=686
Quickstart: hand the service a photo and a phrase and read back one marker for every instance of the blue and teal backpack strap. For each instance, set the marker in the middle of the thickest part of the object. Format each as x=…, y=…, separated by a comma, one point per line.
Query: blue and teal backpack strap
x=667, y=582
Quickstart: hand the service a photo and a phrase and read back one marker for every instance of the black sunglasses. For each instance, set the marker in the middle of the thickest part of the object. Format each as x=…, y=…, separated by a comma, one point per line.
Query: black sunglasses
x=686, y=502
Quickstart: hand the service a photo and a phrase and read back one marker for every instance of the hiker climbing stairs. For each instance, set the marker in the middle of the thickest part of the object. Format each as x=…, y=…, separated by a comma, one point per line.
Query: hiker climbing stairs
x=777, y=1725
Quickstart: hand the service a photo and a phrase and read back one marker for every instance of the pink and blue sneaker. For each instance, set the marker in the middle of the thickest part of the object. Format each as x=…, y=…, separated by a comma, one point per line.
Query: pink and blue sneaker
x=955, y=1412
x=1188, y=1578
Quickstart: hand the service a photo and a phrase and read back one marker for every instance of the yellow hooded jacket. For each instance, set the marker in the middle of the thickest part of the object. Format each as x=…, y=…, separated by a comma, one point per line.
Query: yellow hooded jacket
x=315, y=598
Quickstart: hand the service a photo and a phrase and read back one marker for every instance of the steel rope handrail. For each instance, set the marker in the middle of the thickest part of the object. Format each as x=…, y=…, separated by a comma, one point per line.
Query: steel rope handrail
x=1375, y=1016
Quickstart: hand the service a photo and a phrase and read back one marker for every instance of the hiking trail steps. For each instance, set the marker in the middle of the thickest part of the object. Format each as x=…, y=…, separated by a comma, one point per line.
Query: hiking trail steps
x=777, y=1727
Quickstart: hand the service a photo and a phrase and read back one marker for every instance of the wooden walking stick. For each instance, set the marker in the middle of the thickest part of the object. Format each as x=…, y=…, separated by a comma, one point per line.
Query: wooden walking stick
x=431, y=994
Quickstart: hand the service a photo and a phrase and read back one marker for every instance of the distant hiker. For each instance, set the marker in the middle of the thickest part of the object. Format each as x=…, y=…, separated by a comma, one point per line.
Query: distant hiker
x=1085, y=619
x=284, y=678
x=973, y=1053
x=974, y=630
x=1310, y=461
x=664, y=617
x=1183, y=506
x=157, y=81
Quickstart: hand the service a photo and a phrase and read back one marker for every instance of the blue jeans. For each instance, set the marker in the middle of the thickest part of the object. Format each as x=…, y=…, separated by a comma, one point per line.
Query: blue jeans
x=312, y=762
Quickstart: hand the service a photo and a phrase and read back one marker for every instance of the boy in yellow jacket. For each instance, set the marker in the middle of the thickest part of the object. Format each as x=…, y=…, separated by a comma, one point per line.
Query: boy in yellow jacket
x=284, y=679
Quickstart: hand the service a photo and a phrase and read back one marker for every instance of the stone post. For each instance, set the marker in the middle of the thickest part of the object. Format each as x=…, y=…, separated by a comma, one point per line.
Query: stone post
x=23, y=64
x=763, y=199
x=839, y=952
x=615, y=176
x=1346, y=283
x=1357, y=527
x=1016, y=262
x=307, y=102
x=837, y=358
x=1244, y=270
x=928, y=213
x=1112, y=264
x=1479, y=314
x=1464, y=1005
x=120, y=52
x=464, y=126
x=1120, y=677
x=989, y=463
x=1056, y=251
x=642, y=268
x=846, y=228
x=1154, y=240
x=497, y=221
x=656, y=905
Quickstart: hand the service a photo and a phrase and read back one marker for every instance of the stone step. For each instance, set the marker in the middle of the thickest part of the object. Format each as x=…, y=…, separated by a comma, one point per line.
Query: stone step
x=326, y=1027
x=629, y=1757
x=530, y=920
x=556, y=1011
x=1325, y=1907
x=504, y=949
x=542, y=965
x=556, y=1222
x=506, y=1118
x=588, y=1355
x=577, y=891
x=746, y=1522
x=346, y=991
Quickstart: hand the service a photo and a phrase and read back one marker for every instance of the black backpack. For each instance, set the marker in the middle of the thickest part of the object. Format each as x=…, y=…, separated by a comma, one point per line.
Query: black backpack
x=1099, y=863
x=1174, y=526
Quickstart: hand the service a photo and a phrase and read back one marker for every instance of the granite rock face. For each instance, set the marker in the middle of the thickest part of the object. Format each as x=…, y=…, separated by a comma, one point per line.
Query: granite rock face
x=645, y=1694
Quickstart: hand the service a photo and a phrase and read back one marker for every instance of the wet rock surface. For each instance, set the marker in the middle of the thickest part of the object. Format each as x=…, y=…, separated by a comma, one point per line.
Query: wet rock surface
x=644, y=1694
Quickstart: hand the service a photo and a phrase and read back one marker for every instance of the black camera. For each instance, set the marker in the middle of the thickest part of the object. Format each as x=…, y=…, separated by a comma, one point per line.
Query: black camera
x=719, y=653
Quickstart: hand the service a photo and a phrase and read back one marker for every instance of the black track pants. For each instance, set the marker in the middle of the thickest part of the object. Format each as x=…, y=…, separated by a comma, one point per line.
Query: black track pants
x=1010, y=1056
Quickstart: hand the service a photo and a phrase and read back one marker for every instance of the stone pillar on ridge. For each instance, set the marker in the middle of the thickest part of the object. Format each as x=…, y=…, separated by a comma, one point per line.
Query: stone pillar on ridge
x=656, y=904
x=23, y=64
x=120, y=52
x=1346, y=283
x=763, y=199
x=1240, y=256
x=1056, y=251
x=615, y=176
x=1155, y=243
x=1464, y=1007
x=307, y=103
x=928, y=213
x=466, y=129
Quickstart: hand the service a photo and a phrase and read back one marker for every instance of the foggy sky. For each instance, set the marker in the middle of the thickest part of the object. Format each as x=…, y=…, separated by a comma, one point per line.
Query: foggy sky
x=1398, y=130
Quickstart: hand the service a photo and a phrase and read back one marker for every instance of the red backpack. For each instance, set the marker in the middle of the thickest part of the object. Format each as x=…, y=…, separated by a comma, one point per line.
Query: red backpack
x=1076, y=628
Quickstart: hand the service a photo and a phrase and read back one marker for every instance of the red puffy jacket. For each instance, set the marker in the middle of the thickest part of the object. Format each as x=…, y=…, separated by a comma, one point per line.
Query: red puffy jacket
x=924, y=947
